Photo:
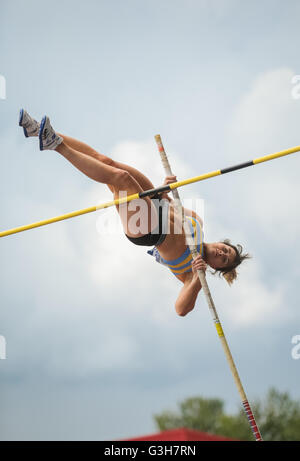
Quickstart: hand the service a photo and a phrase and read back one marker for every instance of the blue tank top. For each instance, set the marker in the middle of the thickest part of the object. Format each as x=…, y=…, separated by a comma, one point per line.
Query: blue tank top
x=184, y=262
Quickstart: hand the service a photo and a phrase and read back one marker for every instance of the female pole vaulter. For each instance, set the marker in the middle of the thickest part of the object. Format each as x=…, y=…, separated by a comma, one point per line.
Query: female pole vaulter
x=159, y=223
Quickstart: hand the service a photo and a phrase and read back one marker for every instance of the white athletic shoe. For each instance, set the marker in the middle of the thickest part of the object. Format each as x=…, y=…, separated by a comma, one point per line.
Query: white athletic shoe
x=49, y=140
x=30, y=125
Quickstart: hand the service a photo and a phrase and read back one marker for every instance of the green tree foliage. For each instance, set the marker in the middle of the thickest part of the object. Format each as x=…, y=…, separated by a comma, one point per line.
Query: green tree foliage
x=278, y=417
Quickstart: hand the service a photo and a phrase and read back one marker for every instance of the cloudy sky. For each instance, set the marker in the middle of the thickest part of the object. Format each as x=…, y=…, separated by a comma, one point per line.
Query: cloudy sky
x=94, y=348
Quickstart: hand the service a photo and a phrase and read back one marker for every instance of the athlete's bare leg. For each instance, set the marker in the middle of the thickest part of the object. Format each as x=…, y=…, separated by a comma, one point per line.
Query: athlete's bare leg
x=80, y=146
x=120, y=182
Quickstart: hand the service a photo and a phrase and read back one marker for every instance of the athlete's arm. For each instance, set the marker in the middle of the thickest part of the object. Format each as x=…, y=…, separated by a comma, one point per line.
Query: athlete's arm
x=189, y=292
x=186, y=300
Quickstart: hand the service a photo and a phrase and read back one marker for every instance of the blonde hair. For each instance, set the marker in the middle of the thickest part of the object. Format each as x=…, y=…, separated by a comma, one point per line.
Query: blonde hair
x=229, y=273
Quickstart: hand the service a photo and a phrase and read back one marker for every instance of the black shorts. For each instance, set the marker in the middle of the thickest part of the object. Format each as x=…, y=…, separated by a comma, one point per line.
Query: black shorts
x=158, y=235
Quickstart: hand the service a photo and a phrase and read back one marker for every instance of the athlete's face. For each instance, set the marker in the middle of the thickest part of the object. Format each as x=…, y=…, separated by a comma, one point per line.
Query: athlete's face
x=219, y=255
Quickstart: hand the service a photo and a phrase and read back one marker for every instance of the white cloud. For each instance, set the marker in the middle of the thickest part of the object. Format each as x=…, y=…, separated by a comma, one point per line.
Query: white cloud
x=251, y=302
x=266, y=200
x=265, y=121
x=145, y=157
x=274, y=205
x=265, y=118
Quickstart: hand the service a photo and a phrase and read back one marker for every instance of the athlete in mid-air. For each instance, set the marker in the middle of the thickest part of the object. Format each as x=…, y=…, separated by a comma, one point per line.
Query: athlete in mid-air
x=158, y=219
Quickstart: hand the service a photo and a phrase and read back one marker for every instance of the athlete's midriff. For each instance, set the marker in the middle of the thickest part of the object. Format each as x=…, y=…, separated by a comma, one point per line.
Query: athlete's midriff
x=174, y=244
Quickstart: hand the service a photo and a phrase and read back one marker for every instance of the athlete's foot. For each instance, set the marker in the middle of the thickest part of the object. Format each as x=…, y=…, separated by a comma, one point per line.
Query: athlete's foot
x=30, y=125
x=49, y=140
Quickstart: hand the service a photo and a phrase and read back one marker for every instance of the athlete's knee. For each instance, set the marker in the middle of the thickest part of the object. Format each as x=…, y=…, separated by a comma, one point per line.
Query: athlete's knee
x=123, y=179
x=108, y=161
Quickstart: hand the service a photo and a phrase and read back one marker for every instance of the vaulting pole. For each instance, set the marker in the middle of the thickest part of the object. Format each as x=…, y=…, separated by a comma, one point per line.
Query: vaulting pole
x=212, y=308
x=151, y=192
